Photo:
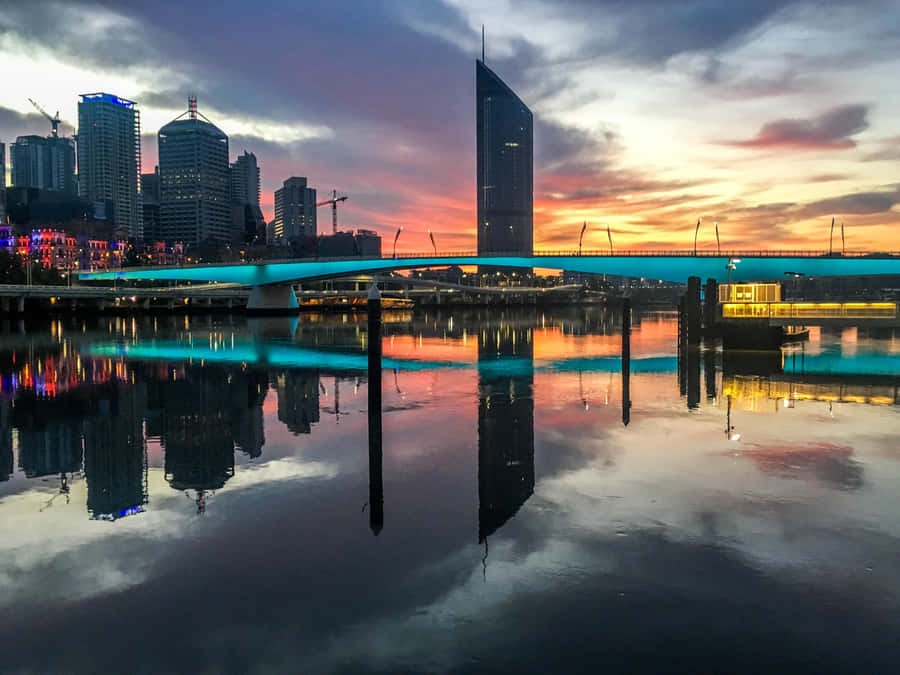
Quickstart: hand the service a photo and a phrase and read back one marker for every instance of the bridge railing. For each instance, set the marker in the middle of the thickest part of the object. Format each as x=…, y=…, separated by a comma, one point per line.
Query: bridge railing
x=547, y=253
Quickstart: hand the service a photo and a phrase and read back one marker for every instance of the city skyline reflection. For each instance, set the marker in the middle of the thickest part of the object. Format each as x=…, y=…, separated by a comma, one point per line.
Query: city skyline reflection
x=496, y=475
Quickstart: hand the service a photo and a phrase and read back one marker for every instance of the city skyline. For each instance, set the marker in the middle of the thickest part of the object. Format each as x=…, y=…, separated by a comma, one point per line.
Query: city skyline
x=768, y=119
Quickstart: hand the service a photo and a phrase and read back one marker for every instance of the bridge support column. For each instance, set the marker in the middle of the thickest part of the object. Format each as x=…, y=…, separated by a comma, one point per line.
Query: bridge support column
x=272, y=299
x=5, y=305
x=20, y=304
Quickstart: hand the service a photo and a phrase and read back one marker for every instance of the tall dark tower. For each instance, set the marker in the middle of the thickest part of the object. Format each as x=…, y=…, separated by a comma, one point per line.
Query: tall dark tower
x=505, y=167
x=505, y=424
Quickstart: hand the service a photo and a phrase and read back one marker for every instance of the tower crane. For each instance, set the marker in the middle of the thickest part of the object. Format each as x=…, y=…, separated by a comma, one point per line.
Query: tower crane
x=54, y=121
x=335, y=198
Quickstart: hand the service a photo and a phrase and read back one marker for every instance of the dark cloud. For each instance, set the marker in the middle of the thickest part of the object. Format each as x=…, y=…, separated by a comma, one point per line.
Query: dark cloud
x=858, y=203
x=832, y=130
x=13, y=123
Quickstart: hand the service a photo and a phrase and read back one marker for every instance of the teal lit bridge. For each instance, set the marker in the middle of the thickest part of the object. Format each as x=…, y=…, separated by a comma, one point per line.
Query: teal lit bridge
x=271, y=280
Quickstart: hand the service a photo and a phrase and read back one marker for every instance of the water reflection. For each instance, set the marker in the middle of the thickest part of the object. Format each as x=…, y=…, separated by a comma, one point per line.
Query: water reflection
x=505, y=427
x=752, y=553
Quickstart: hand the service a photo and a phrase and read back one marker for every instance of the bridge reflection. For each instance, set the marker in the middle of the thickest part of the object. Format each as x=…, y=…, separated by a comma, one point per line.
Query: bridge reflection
x=70, y=411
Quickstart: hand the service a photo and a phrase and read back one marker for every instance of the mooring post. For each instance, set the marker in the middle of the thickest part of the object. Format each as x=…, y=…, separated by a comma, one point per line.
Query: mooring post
x=376, y=484
x=710, y=304
x=626, y=361
x=692, y=307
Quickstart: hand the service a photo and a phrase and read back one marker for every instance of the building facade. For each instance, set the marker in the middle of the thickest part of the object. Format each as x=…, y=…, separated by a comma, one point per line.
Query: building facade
x=2, y=182
x=150, y=205
x=44, y=163
x=295, y=210
x=109, y=156
x=194, y=181
x=245, y=180
x=504, y=128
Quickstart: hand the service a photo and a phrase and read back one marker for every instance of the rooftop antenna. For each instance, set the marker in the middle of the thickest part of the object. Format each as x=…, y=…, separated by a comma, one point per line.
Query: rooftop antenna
x=482, y=43
x=192, y=107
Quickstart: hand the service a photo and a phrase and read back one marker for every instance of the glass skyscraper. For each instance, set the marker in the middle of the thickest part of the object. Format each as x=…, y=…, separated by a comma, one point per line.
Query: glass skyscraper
x=44, y=163
x=109, y=156
x=194, y=181
x=505, y=167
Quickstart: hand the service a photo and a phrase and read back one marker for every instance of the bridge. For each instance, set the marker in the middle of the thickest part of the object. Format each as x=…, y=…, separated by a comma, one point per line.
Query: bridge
x=271, y=281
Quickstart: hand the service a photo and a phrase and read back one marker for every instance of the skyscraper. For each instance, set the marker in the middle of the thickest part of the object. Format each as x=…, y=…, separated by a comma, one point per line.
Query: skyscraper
x=247, y=222
x=295, y=209
x=150, y=205
x=109, y=156
x=2, y=187
x=44, y=163
x=194, y=205
x=504, y=167
x=245, y=180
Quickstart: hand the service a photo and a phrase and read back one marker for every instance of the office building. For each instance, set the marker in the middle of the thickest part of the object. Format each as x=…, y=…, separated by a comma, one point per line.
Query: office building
x=245, y=180
x=194, y=182
x=150, y=205
x=295, y=210
x=504, y=167
x=109, y=157
x=44, y=163
x=2, y=182
x=365, y=243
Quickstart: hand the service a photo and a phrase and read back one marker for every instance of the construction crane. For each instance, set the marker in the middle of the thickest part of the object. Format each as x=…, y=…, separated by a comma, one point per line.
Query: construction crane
x=54, y=121
x=334, y=202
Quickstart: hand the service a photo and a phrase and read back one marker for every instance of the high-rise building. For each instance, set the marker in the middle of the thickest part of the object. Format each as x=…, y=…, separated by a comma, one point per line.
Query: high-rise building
x=44, y=163
x=194, y=184
x=245, y=180
x=504, y=167
x=247, y=222
x=150, y=205
x=109, y=156
x=2, y=187
x=295, y=209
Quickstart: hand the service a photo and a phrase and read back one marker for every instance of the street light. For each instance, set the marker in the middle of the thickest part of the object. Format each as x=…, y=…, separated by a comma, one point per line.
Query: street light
x=396, y=237
x=732, y=265
x=581, y=236
x=718, y=243
x=433, y=245
x=696, y=232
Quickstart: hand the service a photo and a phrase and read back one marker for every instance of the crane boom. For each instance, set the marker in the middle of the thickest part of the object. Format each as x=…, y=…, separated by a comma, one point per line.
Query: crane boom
x=333, y=202
x=54, y=121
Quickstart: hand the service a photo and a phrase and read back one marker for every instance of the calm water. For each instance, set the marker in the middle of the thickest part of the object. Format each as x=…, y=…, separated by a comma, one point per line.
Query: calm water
x=199, y=496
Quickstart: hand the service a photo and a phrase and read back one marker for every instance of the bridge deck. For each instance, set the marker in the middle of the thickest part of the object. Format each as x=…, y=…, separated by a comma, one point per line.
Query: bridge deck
x=675, y=266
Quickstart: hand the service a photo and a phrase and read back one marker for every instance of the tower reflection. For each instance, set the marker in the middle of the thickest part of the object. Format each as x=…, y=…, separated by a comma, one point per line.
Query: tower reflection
x=505, y=425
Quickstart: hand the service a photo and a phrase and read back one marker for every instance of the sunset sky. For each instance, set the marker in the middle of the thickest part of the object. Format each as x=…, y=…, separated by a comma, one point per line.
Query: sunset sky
x=769, y=117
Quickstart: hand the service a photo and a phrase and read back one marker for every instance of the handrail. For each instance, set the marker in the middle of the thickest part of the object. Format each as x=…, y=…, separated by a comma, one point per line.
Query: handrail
x=592, y=253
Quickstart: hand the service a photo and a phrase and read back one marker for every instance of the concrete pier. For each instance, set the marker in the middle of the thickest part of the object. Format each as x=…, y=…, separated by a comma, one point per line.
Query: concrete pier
x=272, y=299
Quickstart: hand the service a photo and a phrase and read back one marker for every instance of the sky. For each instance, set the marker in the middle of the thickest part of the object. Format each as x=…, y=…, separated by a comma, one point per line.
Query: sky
x=768, y=118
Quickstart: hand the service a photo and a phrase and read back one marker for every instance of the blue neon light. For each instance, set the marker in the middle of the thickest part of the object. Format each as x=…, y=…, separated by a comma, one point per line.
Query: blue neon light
x=108, y=98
